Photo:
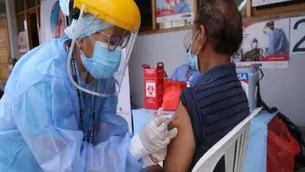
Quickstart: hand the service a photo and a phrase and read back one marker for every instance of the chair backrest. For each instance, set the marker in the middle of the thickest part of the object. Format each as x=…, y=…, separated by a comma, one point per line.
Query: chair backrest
x=233, y=146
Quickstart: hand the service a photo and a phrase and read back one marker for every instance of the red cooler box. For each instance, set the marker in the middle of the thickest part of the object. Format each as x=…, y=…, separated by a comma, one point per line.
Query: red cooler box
x=153, y=85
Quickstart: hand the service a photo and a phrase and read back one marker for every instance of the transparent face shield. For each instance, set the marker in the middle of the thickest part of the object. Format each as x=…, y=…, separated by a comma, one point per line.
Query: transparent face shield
x=97, y=64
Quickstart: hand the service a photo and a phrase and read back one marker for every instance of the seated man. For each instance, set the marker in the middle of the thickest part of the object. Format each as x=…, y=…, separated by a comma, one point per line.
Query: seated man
x=217, y=103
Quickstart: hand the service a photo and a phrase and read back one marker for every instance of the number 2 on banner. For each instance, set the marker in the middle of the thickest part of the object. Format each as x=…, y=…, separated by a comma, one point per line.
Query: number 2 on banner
x=297, y=35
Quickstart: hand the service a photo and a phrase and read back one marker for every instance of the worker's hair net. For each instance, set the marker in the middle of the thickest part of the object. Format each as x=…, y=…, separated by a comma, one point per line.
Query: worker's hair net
x=89, y=25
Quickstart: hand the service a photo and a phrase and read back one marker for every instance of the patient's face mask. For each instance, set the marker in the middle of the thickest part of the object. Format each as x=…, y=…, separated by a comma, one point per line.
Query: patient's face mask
x=193, y=58
x=103, y=63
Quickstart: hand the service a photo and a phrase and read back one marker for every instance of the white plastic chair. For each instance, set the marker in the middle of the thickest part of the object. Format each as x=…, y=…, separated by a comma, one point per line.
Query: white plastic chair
x=233, y=146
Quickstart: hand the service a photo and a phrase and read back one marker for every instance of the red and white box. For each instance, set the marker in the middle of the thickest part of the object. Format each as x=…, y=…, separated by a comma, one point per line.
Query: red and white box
x=153, y=85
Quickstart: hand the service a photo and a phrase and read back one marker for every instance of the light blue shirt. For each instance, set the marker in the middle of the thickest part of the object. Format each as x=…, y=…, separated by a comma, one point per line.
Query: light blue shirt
x=278, y=43
x=185, y=73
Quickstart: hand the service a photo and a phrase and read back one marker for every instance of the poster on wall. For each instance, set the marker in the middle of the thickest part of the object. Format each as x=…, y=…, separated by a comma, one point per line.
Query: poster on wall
x=173, y=10
x=53, y=21
x=265, y=44
x=23, y=42
x=257, y=3
x=297, y=35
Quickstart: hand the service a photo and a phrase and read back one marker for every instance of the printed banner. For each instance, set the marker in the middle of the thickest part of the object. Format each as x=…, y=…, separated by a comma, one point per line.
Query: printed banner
x=53, y=21
x=172, y=10
x=265, y=44
x=256, y=3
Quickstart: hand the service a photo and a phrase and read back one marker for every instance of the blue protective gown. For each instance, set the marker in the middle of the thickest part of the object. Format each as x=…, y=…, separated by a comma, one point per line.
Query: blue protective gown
x=39, y=117
x=278, y=43
x=185, y=73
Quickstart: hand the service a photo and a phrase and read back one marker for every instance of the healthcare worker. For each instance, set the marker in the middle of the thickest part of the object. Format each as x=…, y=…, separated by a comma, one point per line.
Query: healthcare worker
x=185, y=73
x=58, y=112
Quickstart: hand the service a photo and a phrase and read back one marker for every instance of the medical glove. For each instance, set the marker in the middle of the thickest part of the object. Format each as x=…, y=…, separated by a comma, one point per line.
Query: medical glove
x=160, y=155
x=148, y=162
x=152, y=138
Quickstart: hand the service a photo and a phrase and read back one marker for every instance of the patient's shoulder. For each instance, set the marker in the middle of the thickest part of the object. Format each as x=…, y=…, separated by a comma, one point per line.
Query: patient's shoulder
x=181, y=117
x=181, y=150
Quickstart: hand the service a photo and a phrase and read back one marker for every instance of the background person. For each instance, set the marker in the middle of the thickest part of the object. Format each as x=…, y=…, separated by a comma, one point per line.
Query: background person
x=13, y=62
x=238, y=56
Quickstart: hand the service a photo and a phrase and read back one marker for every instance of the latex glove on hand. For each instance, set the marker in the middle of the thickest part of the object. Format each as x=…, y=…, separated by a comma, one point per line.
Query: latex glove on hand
x=153, y=138
x=156, y=136
x=159, y=156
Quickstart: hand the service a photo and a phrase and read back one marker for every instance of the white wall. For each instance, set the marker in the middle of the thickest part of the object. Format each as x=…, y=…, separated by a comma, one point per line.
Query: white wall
x=283, y=88
x=150, y=49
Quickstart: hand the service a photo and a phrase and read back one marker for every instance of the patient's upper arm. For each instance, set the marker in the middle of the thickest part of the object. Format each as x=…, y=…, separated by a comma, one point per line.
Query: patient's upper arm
x=181, y=149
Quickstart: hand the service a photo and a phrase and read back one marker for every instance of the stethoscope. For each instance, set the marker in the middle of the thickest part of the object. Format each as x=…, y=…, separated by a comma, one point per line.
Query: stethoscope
x=188, y=74
x=76, y=77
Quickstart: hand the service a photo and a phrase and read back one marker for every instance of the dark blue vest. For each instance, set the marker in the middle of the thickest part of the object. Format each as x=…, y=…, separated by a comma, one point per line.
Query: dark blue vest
x=215, y=105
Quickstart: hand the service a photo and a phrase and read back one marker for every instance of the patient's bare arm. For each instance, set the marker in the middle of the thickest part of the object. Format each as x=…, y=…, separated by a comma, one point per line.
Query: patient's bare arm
x=181, y=149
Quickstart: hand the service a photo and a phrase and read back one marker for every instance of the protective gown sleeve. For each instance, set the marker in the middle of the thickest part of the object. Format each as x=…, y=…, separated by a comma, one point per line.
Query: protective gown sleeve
x=174, y=74
x=45, y=116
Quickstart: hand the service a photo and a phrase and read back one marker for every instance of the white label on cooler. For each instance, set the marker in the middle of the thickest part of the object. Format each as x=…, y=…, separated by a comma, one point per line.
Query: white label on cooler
x=150, y=89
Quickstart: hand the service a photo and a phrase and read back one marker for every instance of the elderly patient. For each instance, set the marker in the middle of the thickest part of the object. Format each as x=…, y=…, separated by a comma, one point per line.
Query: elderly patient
x=208, y=111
